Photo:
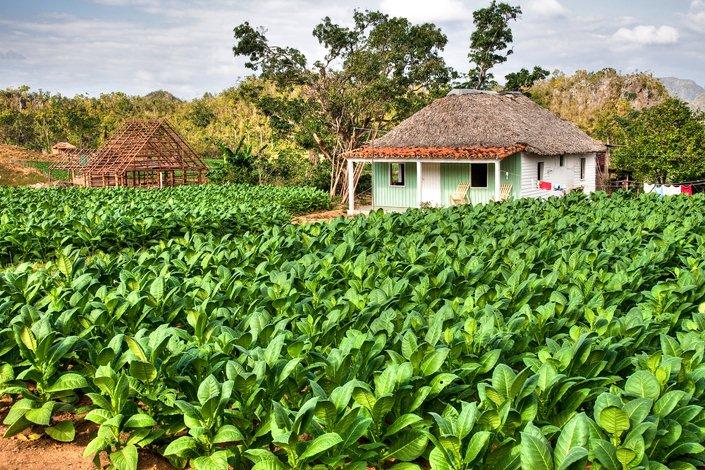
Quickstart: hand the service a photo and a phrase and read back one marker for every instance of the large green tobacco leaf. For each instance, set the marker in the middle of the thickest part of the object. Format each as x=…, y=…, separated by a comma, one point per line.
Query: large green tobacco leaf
x=535, y=450
x=320, y=444
x=574, y=435
x=614, y=420
x=125, y=459
x=643, y=384
x=408, y=447
x=62, y=432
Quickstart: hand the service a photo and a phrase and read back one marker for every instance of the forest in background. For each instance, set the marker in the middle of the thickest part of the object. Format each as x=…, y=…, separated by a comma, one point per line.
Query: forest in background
x=607, y=105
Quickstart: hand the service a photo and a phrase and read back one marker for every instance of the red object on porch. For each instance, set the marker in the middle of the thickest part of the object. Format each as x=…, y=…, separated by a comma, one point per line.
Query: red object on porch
x=545, y=185
x=687, y=189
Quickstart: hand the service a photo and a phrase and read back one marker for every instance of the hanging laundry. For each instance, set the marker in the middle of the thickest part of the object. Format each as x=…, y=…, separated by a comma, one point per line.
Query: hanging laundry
x=663, y=189
x=671, y=190
x=687, y=189
x=546, y=185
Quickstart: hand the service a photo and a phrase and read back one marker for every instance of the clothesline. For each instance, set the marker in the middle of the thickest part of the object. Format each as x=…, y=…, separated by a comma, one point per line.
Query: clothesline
x=637, y=182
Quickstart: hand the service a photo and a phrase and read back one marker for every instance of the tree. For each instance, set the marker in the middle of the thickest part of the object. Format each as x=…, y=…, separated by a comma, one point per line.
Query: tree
x=490, y=42
x=523, y=79
x=662, y=144
x=374, y=74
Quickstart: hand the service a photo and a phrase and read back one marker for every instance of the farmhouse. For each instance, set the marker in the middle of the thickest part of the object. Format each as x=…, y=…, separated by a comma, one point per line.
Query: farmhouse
x=472, y=147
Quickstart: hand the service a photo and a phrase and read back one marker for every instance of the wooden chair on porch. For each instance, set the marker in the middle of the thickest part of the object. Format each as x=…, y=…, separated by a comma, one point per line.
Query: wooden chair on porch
x=505, y=191
x=460, y=195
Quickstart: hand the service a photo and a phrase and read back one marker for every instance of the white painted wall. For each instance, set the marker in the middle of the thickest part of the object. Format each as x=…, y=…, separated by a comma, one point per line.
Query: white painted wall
x=567, y=175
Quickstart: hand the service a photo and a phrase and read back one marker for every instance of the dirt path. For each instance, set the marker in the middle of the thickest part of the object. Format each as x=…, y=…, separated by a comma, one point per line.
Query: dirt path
x=19, y=453
x=319, y=216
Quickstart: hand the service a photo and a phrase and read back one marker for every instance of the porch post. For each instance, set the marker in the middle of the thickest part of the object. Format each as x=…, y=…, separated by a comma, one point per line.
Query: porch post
x=497, y=181
x=351, y=187
x=419, y=182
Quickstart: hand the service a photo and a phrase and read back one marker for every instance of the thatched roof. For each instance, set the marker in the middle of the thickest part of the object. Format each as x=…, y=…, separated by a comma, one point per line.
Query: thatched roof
x=59, y=146
x=468, y=119
x=445, y=153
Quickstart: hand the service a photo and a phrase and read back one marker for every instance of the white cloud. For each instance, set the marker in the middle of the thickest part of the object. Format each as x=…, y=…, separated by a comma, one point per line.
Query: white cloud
x=695, y=18
x=647, y=35
x=546, y=8
x=185, y=48
x=424, y=10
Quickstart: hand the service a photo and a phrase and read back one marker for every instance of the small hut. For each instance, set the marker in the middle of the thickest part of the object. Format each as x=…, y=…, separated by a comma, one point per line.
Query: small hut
x=62, y=148
x=148, y=153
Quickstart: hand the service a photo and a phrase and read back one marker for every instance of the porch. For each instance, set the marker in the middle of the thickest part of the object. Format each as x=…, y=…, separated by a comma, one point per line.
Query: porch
x=400, y=184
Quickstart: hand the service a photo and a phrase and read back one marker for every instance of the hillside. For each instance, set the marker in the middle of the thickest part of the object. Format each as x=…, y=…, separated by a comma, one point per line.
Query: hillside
x=686, y=90
x=18, y=166
x=588, y=98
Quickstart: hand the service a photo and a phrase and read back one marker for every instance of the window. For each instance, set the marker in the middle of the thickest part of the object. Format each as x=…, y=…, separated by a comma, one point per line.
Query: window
x=539, y=174
x=561, y=160
x=582, y=168
x=397, y=172
x=478, y=175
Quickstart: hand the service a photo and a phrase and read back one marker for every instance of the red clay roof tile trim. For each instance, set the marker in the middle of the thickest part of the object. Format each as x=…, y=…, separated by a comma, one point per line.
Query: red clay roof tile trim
x=435, y=153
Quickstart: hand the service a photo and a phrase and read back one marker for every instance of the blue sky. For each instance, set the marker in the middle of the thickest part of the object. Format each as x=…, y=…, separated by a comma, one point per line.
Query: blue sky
x=137, y=46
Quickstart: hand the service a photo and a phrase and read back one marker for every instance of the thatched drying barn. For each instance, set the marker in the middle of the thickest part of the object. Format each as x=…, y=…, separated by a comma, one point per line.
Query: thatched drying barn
x=143, y=154
x=476, y=146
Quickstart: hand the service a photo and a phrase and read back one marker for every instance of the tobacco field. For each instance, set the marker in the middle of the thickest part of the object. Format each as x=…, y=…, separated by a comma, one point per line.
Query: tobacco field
x=559, y=334
x=35, y=224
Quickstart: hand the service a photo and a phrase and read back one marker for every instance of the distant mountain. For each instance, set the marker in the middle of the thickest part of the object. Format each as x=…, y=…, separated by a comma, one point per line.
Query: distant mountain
x=162, y=95
x=686, y=90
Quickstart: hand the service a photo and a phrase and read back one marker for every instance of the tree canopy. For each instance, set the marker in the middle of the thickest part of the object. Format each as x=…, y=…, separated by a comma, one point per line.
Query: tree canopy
x=374, y=73
x=523, y=79
x=662, y=144
x=490, y=42
x=38, y=119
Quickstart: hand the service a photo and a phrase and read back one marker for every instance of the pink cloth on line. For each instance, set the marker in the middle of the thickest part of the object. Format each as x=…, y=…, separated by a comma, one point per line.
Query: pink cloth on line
x=545, y=185
x=687, y=189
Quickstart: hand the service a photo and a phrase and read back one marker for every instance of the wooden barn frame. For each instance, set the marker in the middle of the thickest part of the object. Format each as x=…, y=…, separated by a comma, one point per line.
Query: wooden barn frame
x=147, y=153
x=73, y=161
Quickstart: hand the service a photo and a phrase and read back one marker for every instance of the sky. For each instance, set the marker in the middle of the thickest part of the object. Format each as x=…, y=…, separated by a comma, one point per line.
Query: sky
x=185, y=47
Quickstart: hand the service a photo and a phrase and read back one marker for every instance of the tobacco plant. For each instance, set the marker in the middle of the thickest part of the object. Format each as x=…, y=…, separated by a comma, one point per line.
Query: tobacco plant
x=558, y=334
